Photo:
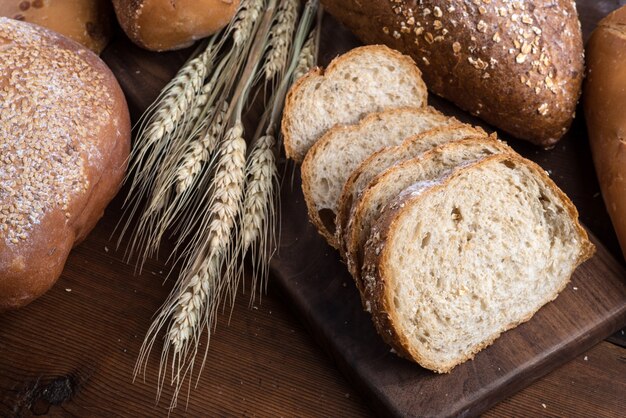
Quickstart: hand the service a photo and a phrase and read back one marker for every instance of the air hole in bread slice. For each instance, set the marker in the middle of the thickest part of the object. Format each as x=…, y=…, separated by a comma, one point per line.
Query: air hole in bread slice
x=328, y=219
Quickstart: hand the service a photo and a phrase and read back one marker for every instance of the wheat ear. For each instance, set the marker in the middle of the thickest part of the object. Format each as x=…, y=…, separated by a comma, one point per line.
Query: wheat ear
x=246, y=19
x=307, y=58
x=281, y=37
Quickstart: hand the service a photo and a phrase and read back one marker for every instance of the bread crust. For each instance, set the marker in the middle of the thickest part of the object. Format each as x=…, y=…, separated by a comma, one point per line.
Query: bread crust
x=473, y=54
x=604, y=103
x=376, y=296
x=30, y=266
x=294, y=91
x=308, y=170
x=87, y=22
x=164, y=25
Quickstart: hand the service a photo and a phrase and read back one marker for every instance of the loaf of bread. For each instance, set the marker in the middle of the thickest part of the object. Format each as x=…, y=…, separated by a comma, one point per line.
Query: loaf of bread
x=163, y=25
x=330, y=161
x=516, y=64
x=605, y=104
x=88, y=22
x=384, y=159
x=365, y=80
x=65, y=139
x=454, y=262
x=429, y=166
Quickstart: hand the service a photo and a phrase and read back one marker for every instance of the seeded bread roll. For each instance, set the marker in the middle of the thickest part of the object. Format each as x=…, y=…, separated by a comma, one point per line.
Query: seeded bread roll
x=88, y=22
x=516, y=64
x=605, y=100
x=64, y=144
x=163, y=25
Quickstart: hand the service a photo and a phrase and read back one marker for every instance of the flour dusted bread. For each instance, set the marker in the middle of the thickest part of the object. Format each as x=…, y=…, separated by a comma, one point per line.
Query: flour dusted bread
x=331, y=160
x=64, y=141
x=455, y=262
x=380, y=161
x=516, y=64
x=365, y=80
x=389, y=184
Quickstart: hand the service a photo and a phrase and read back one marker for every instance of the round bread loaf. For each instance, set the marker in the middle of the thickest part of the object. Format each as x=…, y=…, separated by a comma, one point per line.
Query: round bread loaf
x=86, y=21
x=64, y=145
x=163, y=25
x=604, y=101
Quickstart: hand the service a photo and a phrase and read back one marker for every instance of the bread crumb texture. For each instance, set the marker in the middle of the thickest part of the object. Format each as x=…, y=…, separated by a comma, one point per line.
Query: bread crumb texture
x=52, y=104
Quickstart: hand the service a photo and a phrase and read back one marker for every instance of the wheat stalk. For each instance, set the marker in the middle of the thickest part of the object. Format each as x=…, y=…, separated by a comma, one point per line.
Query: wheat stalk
x=281, y=37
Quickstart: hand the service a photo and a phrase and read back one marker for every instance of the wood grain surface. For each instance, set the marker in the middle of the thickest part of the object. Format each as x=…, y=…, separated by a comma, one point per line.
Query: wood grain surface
x=71, y=353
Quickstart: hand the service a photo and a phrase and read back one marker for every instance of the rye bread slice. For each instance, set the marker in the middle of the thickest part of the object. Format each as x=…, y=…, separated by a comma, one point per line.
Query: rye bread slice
x=330, y=161
x=365, y=80
x=454, y=263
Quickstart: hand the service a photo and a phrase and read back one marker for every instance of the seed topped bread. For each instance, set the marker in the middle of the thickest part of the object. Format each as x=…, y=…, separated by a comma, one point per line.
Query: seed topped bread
x=387, y=157
x=331, y=160
x=365, y=80
x=455, y=262
x=386, y=187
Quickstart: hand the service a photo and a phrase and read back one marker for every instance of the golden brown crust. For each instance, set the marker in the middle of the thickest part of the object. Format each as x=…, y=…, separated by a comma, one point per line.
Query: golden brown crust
x=163, y=25
x=473, y=53
x=376, y=297
x=87, y=22
x=93, y=134
x=604, y=103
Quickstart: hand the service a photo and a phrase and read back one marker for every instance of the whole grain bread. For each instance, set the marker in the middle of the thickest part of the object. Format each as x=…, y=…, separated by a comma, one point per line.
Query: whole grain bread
x=365, y=80
x=516, y=64
x=429, y=166
x=387, y=157
x=455, y=262
x=330, y=161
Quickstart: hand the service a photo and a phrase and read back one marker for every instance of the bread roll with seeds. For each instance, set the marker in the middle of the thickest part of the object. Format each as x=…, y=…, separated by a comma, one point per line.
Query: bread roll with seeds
x=163, y=25
x=64, y=144
x=88, y=22
x=516, y=64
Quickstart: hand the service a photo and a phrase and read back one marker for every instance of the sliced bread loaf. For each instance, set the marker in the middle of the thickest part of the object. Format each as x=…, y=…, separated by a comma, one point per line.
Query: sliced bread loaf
x=454, y=263
x=387, y=157
x=429, y=166
x=365, y=80
x=330, y=161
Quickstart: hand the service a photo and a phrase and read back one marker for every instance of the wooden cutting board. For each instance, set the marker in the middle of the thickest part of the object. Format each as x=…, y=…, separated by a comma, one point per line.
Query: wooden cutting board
x=318, y=285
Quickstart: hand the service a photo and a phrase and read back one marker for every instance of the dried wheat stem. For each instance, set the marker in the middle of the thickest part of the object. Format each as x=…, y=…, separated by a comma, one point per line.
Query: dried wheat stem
x=246, y=19
x=281, y=37
x=223, y=211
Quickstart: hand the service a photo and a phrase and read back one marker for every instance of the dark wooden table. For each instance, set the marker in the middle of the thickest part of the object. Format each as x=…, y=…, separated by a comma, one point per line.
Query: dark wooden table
x=72, y=352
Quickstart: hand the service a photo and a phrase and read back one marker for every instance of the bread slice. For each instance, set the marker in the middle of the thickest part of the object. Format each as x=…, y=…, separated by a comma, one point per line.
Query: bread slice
x=455, y=262
x=365, y=80
x=387, y=157
x=385, y=187
x=330, y=161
